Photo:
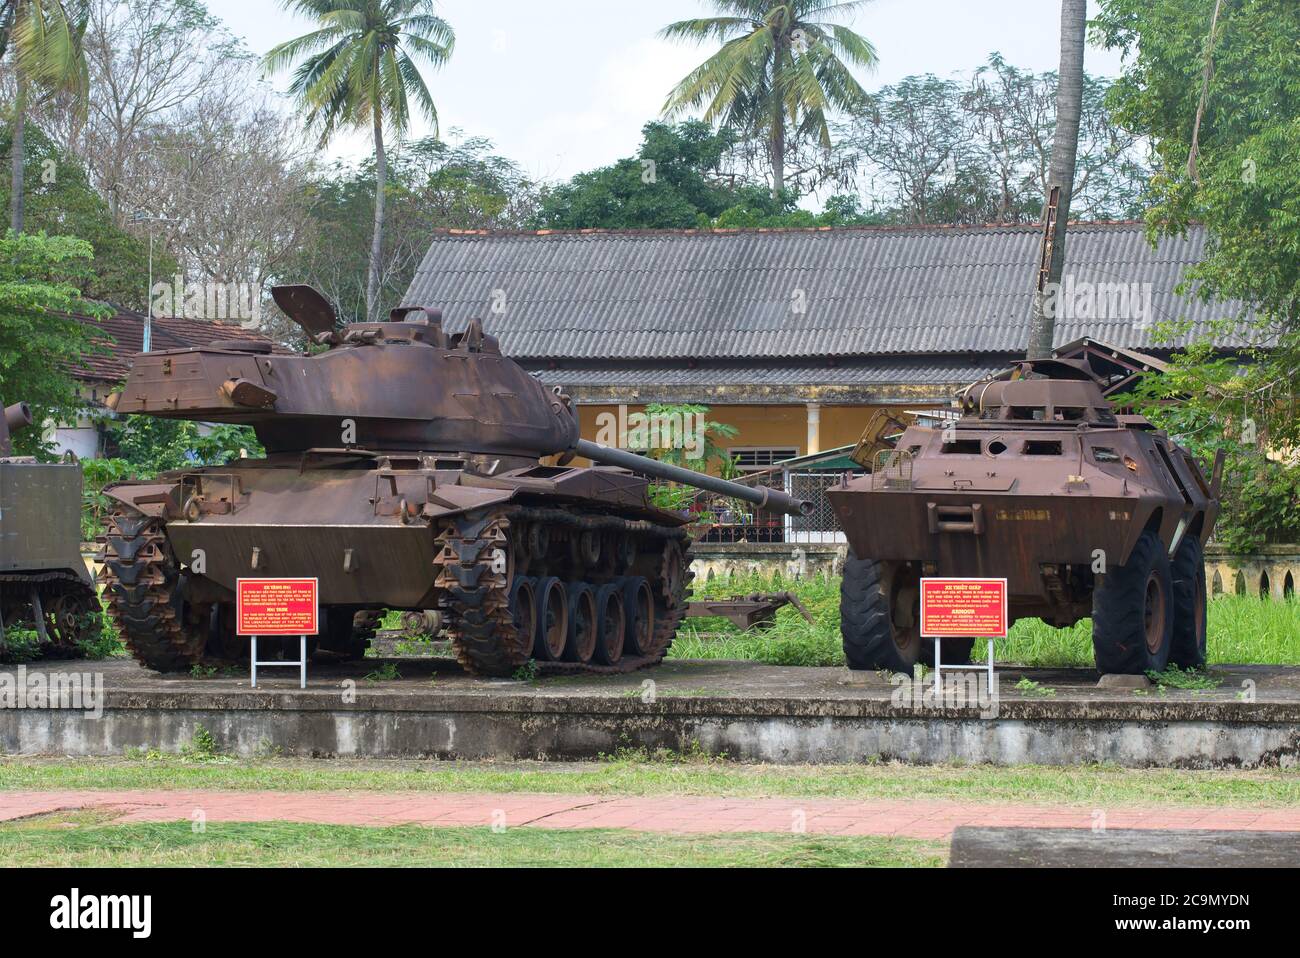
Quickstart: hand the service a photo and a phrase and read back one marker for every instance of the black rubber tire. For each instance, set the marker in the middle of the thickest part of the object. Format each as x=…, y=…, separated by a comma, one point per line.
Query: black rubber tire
x=1120, y=611
x=956, y=650
x=871, y=638
x=609, y=648
x=1187, y=648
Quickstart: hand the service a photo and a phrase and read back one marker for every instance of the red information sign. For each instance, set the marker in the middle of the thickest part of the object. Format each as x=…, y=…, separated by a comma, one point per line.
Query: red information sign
x=275, y=607
x=974, y=608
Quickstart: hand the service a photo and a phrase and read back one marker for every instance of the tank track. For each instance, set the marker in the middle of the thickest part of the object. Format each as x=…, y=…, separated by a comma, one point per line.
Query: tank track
x=141, y=586
x=65, y=597
x=477, y=583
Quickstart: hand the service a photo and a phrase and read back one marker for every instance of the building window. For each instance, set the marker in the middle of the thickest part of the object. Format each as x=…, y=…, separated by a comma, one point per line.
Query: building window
x=755, y=458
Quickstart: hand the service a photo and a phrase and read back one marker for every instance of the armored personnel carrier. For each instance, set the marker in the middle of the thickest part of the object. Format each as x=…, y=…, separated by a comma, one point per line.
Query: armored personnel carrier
x=1083, y=510
x=404, y=471
x=44, y=584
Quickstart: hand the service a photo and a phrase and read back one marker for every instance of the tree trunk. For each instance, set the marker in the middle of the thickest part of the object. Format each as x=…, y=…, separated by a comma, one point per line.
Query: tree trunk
x=377, y=242
x=1065, y=146
x=17, y=150
x=776, y=141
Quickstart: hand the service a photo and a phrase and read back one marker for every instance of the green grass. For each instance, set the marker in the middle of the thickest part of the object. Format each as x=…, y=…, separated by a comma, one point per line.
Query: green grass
x=79, y=840
x=633, y=774
x=1241, y=629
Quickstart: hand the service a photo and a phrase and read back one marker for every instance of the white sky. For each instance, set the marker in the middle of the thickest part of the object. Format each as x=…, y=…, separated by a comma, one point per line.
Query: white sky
x=566, y=86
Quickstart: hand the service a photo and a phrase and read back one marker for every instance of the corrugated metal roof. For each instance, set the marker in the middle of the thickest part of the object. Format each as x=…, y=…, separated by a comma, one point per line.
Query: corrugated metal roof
x=122, y=337
x=882, y=372
x=795, y=294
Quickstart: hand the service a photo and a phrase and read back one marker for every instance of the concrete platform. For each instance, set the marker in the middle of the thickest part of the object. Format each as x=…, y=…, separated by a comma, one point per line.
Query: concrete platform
x=745, y=710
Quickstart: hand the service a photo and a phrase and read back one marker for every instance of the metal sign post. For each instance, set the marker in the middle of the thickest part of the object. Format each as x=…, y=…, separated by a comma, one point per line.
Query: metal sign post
x=301, y=662
x=963, y=608
x=277, y=607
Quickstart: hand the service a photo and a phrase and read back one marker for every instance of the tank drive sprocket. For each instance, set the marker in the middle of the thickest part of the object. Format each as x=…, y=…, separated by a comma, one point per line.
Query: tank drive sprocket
x=143, y=587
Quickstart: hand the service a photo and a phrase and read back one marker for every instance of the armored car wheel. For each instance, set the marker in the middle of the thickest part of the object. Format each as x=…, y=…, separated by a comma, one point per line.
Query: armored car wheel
x=880, y=615
x=1133, y=614
x=1187, y=648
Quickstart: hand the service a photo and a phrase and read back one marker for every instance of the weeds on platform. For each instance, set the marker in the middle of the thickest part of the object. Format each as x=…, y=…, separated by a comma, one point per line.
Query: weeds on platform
x=1241, y=629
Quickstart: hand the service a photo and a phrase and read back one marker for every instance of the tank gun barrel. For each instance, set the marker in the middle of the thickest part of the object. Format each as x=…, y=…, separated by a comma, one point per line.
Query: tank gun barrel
x=18, y=416
x=765, y=498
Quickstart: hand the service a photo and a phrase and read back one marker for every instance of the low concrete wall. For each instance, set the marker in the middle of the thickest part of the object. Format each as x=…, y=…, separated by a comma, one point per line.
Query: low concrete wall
x=1270, y=573
x=716, y=728
x=746, y=711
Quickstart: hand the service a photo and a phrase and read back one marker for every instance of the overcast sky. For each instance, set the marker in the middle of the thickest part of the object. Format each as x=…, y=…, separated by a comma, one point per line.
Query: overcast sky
x=566, y=86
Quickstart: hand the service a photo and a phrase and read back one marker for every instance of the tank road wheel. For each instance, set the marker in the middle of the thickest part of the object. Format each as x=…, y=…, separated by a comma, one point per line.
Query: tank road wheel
x=1132, y=612
x=143, y=587
x=639, y=609
x=68, y=620
x=880, y=615
x=611, y=624
x=1187, y=648
x=478, y=570
x=523, y=604
x=552, y=620
x=670, y=595
x=582, y=622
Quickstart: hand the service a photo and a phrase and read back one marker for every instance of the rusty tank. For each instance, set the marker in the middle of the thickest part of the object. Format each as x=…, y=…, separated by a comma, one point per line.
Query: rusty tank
x=1084, y=510
x=45, y=586
x=406, y=469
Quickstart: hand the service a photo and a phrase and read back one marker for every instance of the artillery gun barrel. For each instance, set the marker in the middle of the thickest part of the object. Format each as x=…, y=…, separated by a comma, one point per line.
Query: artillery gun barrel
x=18, y=416
x=773, y=499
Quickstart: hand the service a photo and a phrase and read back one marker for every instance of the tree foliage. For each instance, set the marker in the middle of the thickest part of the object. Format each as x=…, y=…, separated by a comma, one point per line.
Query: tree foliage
x=782, y=70
x=932, y=150
x=39, y=341
x=1222, y=109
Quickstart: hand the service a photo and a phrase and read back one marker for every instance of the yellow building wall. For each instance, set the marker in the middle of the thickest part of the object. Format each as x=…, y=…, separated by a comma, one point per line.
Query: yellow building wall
x=762, y=426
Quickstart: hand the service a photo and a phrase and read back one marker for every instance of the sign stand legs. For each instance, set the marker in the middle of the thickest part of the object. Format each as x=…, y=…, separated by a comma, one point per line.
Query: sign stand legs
x=300, y=663
x=938, y=665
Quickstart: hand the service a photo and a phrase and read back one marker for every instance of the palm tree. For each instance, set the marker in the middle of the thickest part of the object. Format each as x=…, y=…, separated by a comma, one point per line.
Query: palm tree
x=1060, y=180
x=781, y=69
x=359, y=70
x=46, y=39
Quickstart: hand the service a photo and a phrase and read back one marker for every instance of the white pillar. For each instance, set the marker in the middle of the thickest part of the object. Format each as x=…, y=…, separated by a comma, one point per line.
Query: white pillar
x=814, y=427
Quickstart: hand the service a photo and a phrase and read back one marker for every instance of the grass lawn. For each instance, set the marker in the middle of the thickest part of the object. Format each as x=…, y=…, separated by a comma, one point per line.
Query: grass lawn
x=638, y=774
x=1241, y=629
x=86, y=839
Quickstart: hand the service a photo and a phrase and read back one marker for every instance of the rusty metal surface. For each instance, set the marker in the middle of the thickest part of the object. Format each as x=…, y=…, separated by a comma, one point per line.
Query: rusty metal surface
x=1036, y=477
x=746, y=612
x=406, y=469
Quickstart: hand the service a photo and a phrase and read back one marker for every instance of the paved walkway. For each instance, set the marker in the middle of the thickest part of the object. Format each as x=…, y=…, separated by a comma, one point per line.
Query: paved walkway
x=666, y=813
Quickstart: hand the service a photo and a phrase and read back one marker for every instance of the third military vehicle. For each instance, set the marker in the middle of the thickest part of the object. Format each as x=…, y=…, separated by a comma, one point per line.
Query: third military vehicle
x=44, y=584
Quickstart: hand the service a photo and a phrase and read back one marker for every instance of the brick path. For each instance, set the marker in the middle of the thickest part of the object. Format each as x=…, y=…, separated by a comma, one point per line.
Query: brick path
x=912, y=819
